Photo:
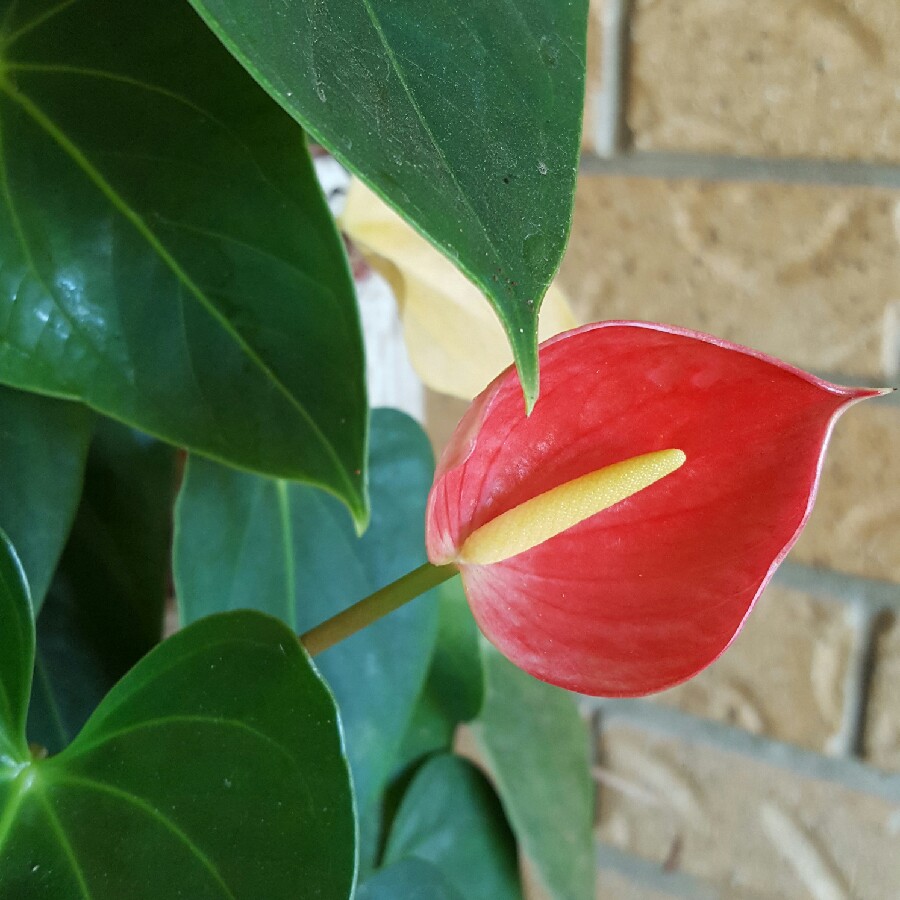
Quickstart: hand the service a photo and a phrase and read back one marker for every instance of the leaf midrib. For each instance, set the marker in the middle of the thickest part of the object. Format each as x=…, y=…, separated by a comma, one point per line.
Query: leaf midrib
x=524, y=350
x=395, y=66
x=121, y=206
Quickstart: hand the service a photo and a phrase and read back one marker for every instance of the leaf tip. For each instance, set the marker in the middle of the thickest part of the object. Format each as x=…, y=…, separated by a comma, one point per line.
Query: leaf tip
x=360, y=510
x=529, y=369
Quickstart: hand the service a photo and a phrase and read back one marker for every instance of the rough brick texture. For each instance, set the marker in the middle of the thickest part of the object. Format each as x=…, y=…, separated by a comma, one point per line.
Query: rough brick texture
x=814, y=78
x=805, y=273
x=750, y=830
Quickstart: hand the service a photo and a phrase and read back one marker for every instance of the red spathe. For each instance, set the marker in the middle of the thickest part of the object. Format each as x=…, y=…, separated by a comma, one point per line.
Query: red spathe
x=647, y=593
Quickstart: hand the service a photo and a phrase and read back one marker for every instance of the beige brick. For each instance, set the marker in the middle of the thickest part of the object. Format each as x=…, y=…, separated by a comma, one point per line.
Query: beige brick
x=751, y=830
x=804, y=273
x=882, y=736
x=816, y=78
x=783, y=676
x=855, y=524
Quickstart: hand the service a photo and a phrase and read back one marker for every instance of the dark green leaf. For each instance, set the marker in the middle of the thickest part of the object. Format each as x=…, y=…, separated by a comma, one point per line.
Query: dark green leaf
x=410, y=879
x=167, y=255
x=457, y=679
x=246, y=541
x=70, y=676
x=537, y=747
x=463, y=114
x=213, y=769
x=43, y=445
x=454, y=689
x=16, y=662
x=451, y=817
x=430, y=729
x=105, y=607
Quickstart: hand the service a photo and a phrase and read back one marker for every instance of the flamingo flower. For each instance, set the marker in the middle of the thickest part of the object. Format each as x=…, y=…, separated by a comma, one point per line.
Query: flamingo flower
x=614, y=541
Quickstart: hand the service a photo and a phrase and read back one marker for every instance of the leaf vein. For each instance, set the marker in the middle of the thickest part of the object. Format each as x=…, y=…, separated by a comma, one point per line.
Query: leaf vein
x=90, y=784
x=36, y=22
x=64, y=843
x=74, y=750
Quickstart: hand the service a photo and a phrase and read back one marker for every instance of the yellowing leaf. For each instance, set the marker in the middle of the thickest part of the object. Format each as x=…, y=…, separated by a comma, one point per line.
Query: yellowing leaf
x=454, y=339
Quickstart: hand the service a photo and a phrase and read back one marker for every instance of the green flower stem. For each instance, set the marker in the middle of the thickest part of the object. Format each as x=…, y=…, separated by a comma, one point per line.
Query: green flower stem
x=376, y=605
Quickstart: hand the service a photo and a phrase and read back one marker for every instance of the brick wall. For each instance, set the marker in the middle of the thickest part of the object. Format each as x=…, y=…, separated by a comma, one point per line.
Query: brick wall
x=741, y=175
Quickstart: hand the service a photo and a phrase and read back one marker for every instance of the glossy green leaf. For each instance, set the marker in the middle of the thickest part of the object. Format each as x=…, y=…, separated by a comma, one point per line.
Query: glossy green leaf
x=43, y=445
x=537, y=748
x=454, y=689
x=451, y=817
x=430, y=730
x=456, y=678
x=410, y=879
x=16, y=661
x=105, y=607
x=246, y=541
x=213, y=769
x=166, y=254
x=463, y=114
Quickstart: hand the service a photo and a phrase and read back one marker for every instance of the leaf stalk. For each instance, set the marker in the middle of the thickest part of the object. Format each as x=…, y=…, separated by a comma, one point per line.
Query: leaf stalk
x=375, y=607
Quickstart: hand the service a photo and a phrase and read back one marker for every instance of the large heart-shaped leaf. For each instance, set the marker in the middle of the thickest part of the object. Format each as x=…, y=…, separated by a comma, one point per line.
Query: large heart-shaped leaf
x=43, y=445
x=451, y=817
x=456, y=679
x=105, y=607
x=246, y=541
x=215, y=766
x=463, y=114
x=537, y=748
x=167, y=256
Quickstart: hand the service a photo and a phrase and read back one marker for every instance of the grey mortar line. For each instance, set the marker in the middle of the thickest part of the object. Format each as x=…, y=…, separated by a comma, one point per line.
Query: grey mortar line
x=651, y=875
x=849, y=740
x=844, y=771
x=874, y=594
x=610, y=133
x=713, y=167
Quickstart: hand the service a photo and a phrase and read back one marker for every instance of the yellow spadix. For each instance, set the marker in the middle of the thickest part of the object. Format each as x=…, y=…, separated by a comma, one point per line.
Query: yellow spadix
x=549, y=514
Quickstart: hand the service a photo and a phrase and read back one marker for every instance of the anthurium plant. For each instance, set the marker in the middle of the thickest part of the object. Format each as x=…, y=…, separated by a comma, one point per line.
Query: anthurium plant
x=185, y=435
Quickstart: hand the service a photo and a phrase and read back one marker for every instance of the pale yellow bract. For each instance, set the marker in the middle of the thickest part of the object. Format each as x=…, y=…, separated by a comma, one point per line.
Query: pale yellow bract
x=549, y=514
